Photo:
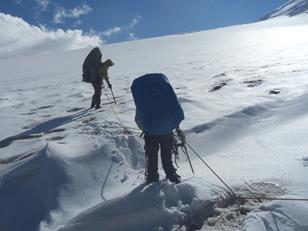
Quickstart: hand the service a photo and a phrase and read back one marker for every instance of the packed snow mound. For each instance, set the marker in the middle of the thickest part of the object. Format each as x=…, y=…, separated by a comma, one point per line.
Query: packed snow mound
x=275, y=216
x=29, y=189
x=291, y=8
x=191, y=205
x=158, y=206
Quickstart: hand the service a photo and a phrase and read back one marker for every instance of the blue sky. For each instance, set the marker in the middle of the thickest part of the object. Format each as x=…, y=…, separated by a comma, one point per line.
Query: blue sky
x=122, y=20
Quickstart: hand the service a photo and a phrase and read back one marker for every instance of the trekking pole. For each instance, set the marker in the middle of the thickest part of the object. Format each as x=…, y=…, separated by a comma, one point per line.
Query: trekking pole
x=181, y=137
x=184, y=149
x=113, y=96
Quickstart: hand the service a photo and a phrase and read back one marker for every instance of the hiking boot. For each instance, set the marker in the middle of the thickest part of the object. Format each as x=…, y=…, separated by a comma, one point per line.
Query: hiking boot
x=175, y=178
x=98, y=107
x=151, y=179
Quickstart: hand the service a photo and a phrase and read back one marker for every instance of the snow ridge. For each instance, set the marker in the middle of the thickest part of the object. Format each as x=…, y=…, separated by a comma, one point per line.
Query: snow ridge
x=291, y=8
x=33, y=169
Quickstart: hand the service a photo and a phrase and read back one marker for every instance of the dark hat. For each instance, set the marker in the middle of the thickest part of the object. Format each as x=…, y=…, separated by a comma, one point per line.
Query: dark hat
x=109, y=62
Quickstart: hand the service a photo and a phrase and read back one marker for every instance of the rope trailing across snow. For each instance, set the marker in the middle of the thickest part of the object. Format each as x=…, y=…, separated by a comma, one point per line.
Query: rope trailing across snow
x=194, y=151
x=105, y=181
x=237, y=196
x=240, y=196
x=125, y=128
x=272, y=198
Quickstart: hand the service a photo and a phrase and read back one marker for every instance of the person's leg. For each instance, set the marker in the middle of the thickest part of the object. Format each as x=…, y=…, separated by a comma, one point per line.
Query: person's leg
x=166, y=145
x=151, y=157
x=97, y=95
x=93, y=97
x=98, y=99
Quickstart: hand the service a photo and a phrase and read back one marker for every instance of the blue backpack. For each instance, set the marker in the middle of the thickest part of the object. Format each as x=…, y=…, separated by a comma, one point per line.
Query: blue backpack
x=158, y=111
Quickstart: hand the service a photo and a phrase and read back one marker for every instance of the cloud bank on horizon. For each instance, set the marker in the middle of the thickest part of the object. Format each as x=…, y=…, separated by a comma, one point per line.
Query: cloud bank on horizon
x=42, y=26
x=19, y=37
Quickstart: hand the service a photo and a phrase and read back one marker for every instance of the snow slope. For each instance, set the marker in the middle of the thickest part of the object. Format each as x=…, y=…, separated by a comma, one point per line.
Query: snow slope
x=291, y=8
x=244, y=93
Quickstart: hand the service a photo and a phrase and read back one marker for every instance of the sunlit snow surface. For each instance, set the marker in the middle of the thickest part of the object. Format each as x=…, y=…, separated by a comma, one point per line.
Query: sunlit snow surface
x=244, y=93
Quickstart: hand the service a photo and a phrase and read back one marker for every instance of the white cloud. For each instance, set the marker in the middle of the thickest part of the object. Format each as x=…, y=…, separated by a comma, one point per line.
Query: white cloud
x=78, y=11
x=62, y=13
x=131, y=36
x=43, y=4
x=59, y=15
x=134, y=22
x=112, y=31
x=125, y=29
x=77, y=23
x=19, y=37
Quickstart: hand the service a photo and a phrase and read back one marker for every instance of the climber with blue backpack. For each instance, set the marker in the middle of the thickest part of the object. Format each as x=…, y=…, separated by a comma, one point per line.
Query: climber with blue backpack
x=158, y=115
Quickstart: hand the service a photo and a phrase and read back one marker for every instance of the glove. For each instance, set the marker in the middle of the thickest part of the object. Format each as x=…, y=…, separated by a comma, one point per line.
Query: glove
x=109, y=85
x=181, y=136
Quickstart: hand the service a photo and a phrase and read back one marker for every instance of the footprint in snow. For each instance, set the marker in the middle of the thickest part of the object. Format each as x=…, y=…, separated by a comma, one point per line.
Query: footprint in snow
x=55, y=138
x=55, y=130
x=16, y=158
x=88, y=120
x=29, y=113
x=7, y=141
x=75, y=109
x=40, y=108
x=219, y=75
x=253, y=83
x=42, y=128
x=274, y=92
x=108, y=103
x=305, y=161
x=125, y=178
x=46, y=116
x=217, y=86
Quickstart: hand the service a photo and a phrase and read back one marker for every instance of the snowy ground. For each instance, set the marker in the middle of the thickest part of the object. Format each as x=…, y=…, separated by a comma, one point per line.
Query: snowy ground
x=244, y=90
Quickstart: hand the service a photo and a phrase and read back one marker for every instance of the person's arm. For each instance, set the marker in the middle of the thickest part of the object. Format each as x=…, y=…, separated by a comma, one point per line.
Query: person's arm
x=138, y=121
x=108, y=82
x=106, y=77
x=181, y=135
x=103, y=72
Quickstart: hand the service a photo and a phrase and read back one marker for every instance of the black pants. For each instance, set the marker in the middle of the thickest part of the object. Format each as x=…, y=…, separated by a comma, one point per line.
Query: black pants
x=96, y=98
x=152, y=144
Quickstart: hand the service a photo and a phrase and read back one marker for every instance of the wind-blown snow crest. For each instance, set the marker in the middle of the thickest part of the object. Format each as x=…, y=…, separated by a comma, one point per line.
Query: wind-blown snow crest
x=32, y=183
